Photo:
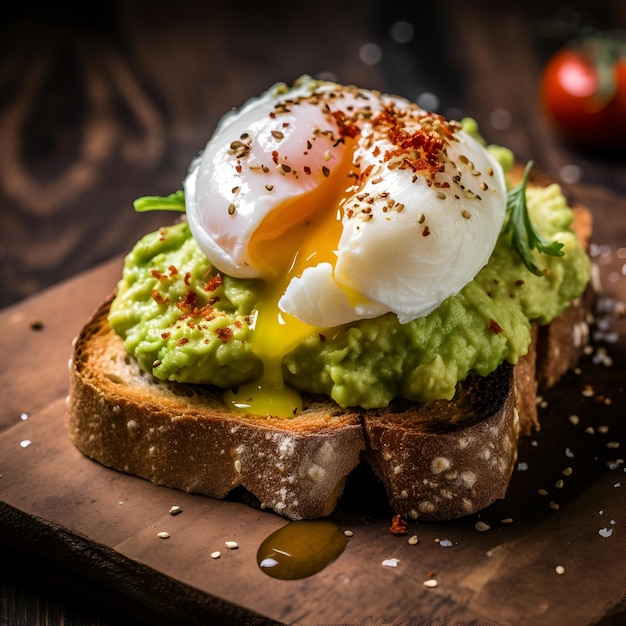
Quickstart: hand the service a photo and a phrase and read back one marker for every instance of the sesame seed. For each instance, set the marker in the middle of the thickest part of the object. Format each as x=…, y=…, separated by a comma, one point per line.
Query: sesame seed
x=413, y=540
x=216, y=555
x=431, y=583
x=440, y=195
x=175, y=510
x=231, y=209
x=163, y=535
x=560, y=570
x=567, y=471
x=231, y=545
x=466, y=214
x=277, y=134
x=269, y=187
x=559, y=483
x=481, y=527
x=283, y=168
x=348, y=533
x=238, y=466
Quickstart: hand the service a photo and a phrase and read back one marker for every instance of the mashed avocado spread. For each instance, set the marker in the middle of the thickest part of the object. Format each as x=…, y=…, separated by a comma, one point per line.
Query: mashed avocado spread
x=186, y=322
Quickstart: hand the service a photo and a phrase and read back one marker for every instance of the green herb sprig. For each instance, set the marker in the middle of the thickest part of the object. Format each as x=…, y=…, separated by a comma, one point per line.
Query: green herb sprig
x=174, y=202
x=524, y=237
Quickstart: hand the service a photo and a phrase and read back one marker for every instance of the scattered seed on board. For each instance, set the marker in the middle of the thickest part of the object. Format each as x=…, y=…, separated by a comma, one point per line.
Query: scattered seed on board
x=481, y=527
x=231, y=545
x=163, y=535
x=175, y=510
x=560, y=570
x=431, y=583
x=413, y=540
x=216, y=555
x=348, y=533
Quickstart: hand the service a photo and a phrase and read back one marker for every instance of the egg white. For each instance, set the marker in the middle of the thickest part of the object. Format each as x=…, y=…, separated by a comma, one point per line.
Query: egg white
x=408, y=240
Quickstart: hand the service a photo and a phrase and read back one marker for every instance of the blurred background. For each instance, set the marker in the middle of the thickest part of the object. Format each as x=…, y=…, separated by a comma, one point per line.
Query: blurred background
x=103, y=102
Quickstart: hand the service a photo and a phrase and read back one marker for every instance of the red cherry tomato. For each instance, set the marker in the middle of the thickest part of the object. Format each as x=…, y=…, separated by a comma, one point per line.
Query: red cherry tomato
x=583, y=91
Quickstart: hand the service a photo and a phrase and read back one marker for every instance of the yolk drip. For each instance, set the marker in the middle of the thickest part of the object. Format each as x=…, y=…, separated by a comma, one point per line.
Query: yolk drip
x=297, y=234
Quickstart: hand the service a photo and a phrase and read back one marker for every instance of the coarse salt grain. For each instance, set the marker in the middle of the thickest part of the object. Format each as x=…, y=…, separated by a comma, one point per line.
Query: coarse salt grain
x=24, y=416
x=605, y=532
x=445, y=543
x=390, y=562
x=25, y=443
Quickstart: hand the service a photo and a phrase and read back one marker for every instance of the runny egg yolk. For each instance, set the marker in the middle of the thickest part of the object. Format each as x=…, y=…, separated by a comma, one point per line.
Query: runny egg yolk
x=297, y=234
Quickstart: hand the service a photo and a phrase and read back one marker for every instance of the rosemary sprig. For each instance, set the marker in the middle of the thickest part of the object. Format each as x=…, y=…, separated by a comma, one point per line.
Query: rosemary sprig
x=524, y=237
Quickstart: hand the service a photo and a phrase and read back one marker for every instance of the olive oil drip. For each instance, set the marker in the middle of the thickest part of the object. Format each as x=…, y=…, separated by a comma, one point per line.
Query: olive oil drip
x=301, y=549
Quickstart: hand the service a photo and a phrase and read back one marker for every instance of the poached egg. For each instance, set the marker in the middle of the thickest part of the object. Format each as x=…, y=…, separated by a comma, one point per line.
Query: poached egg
x=348, y=204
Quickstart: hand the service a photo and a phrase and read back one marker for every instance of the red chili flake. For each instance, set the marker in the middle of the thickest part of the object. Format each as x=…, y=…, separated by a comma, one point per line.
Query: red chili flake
x=182, y=341
x=214, y=300
x=237, y=324
x=494, y=327
x=238, y=169
x=189, y=304
x=214, y=282
x=307, y=169
x=346, y=127
x=398, y=525
x=187, y=278
x=156, y=274
x=173, y=270
x=224, y=333
x=275, y=157
x=322, y=337
x=165, y=335
x=426, y=231
x=158, y=297
x=519, y=282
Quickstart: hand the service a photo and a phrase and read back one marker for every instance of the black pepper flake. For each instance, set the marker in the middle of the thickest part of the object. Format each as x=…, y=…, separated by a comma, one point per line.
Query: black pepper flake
x=231, y=209
x=325, y=171
x=36, y=326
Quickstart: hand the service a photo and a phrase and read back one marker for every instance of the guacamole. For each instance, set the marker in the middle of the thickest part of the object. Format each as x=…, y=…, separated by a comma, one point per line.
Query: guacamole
x=185, y=321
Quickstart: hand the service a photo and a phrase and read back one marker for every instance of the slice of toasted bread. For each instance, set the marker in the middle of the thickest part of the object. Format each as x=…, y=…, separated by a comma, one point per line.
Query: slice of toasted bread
x=183, y=436
x=436, y=460
x=441, y=459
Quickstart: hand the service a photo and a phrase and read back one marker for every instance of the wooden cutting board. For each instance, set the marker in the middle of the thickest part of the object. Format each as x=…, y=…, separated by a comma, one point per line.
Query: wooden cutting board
x=96, y=529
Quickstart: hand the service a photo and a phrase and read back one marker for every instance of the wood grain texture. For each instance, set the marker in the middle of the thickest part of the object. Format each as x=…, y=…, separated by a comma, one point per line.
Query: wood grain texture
x=101, y=105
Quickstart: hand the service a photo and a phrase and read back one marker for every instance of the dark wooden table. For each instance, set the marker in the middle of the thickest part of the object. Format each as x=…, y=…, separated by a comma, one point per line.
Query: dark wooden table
x=102, y=104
